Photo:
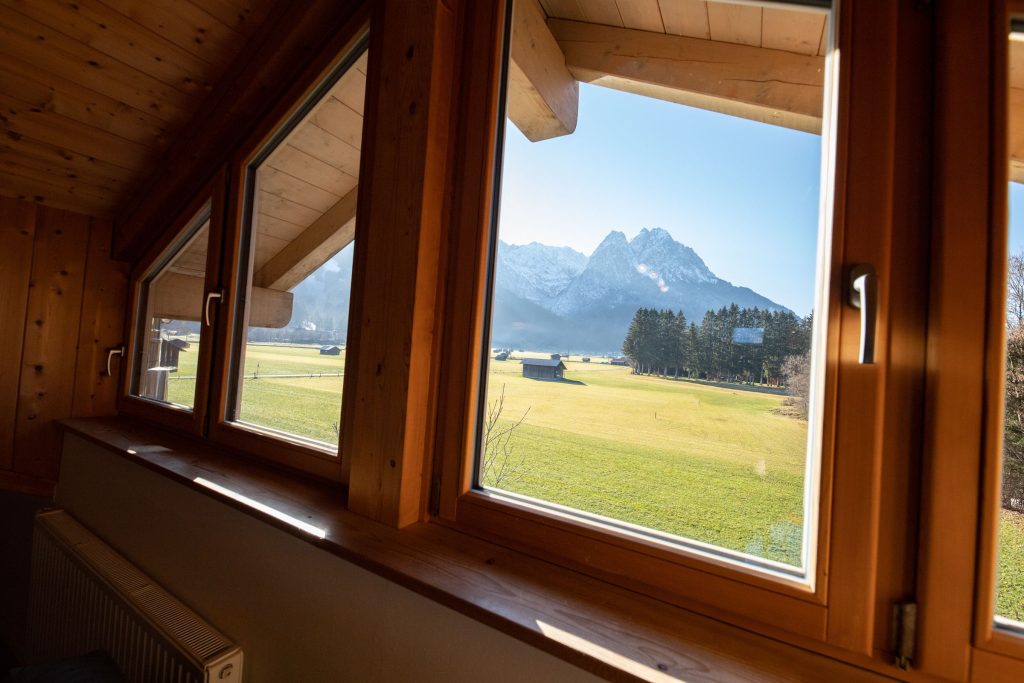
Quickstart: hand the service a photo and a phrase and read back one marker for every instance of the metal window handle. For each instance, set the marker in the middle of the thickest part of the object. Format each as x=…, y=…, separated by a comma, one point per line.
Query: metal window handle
x=210, y=296
x=116, y=351
x=864, y=296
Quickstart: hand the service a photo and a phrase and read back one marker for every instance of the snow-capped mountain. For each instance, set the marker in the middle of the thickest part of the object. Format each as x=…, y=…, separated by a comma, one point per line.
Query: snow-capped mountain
x=536, y=272
x=556, y=298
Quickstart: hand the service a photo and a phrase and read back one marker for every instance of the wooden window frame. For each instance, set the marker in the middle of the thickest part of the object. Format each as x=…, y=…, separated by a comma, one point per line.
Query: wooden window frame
x=961, y=495
x=280, y=449
x=856, y=580
x=189, y=421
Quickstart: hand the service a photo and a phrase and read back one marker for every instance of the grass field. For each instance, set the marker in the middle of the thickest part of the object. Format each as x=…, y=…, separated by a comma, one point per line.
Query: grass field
x=1010, y=578
x=307, y=406
x=713, y=464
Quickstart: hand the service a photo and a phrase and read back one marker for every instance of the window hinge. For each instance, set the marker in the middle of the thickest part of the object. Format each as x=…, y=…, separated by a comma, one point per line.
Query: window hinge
x=904, y=633
x=435, y=496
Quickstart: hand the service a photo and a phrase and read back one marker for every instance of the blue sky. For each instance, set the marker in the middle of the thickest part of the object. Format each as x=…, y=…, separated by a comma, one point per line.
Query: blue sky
x=743, y=195
x=1016, y=218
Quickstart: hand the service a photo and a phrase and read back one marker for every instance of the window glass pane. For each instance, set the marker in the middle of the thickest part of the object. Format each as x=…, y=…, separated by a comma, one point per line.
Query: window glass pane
x=651, y=360
x=169, y=327
x=300, y=238
x=1010, y=570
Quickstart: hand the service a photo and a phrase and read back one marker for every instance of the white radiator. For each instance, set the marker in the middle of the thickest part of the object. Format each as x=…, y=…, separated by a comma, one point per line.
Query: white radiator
x=86, y=597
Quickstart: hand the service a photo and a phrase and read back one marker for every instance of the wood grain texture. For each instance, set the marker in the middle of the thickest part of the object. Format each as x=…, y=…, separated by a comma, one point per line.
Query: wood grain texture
x=773, y=86
x=101, y=326
x=17, y=231
x=610, y=631
x=108, y=84
x=388, y=426
x=252, y=89
x=543, y=97
x=51, y=327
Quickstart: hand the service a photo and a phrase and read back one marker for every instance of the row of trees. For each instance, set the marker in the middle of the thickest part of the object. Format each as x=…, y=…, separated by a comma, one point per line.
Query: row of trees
x=1013, y=421
x=731, y=344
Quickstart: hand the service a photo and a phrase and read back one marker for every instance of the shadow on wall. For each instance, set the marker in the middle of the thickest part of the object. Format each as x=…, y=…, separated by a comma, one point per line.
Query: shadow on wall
x=16, y=511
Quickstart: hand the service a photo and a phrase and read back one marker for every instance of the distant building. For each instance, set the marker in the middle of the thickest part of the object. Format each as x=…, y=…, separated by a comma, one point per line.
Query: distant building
x=586, y=359
x=169, y=350
x=556, y=356
x=620, y=360
x=748, y=335
x=330, y=350
x=502, y=356
x=542, y=368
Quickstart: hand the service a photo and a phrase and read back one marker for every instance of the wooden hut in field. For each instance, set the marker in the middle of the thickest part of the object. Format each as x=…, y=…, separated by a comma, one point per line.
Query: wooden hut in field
x=543, y=368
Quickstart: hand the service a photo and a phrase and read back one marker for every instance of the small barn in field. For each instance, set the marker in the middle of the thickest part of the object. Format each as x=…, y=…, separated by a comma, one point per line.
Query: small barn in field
x=543, y=368
x=169, y=350
x=330, y=350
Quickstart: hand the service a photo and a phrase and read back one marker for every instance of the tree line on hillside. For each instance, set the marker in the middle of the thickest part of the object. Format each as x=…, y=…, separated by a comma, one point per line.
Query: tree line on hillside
x=731, y=344
x=1013, y=422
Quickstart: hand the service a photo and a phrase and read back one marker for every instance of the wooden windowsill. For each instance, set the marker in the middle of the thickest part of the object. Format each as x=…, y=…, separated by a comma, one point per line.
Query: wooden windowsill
x=605, y=629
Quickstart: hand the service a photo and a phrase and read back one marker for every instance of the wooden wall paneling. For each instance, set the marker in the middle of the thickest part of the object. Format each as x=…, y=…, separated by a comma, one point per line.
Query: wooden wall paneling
x=17, y=231
x=51, y=329
x=387, y=435
x=253, y=86
x=104, y=300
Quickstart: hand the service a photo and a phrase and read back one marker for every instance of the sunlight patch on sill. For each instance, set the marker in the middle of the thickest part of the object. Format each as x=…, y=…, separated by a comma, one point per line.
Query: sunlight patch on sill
x=266, y=509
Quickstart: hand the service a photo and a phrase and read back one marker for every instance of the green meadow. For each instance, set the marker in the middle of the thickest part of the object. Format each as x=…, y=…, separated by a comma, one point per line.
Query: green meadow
x=718, y=465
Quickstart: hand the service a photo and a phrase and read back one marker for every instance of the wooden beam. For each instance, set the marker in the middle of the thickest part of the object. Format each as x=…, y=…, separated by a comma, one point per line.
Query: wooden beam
x=771, y=86
x=543, y=97
x=1015, y=132
x=180, y=297
x=324, y=238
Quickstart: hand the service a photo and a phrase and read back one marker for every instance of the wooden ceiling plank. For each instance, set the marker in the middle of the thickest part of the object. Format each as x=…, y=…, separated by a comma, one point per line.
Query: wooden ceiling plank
x=282, y=208
x=340, y=120
x=324, y=146
x=293, y=160
x=74, y=186
x=38, y=88
x=70, y=59
x=643, y=15
x=187, y=25
x=276, y=227
x=38, y=192
x=543, y=97
x=17, y=118
x=295, y=189
x=120, y=38
x=776, y=87
x=564, y=9
x=351, y=89
x=63, y=160
x=686, y=18
x=730, y=23
x=823, y=40
x=324, y=238
x=242, y=16
x=792, y=30
x=601, y=12
x=59, y=176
